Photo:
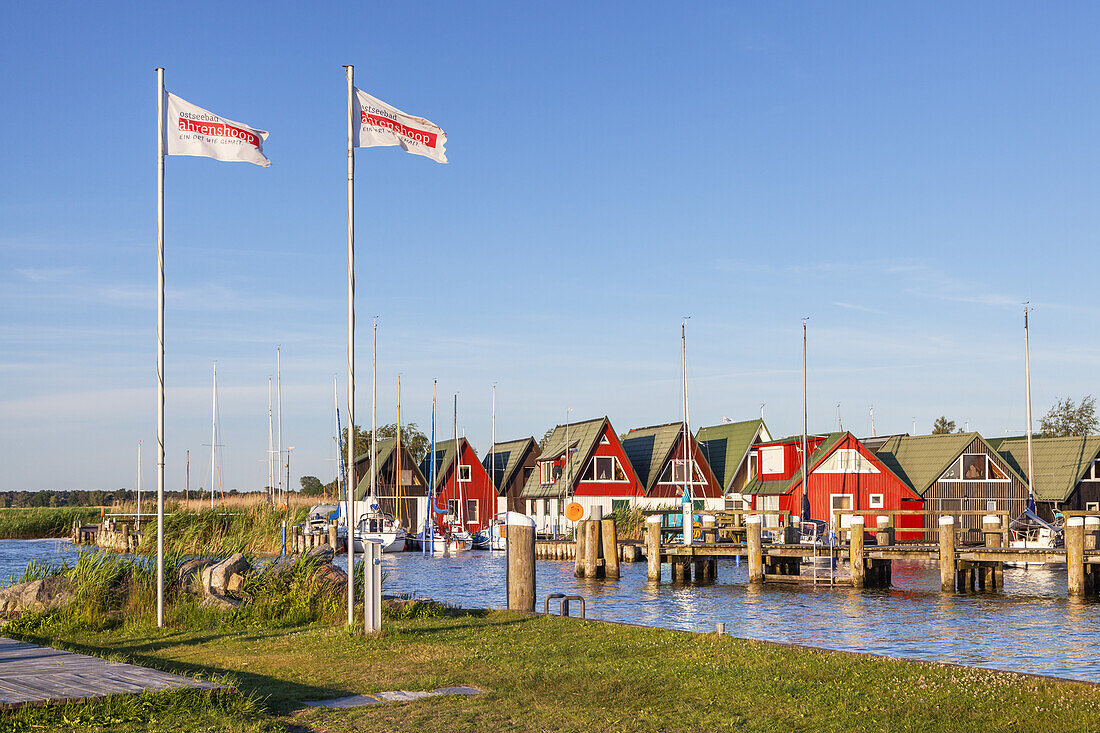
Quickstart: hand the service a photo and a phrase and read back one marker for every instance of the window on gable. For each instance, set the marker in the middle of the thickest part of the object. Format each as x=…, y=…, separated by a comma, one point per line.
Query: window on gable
x=603, y=468
x=1093, y=474
x=549, y=472
x=846, y=460
x=463, y=472
x=471, y=511
x=973, y=467
x=875, y=501
x=675, y=473
x=605, y=440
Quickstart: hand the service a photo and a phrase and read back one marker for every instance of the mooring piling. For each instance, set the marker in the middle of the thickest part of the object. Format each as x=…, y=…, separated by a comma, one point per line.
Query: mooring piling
x=755, y=549
x=947, y=554
x=653, y=546
x=521, y=562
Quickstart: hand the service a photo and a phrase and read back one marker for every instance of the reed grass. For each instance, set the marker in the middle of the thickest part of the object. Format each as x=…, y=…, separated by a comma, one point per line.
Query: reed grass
x=24, y=523
x=629, y=523
x=252, y=530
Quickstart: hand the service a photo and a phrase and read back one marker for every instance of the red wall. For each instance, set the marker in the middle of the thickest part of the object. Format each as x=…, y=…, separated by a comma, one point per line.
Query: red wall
x=792, y=457
x=631, y=487
x=478, y=487
x=895, y=494
x=712, y=490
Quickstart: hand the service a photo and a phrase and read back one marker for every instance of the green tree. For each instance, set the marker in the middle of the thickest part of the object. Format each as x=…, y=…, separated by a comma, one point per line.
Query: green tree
x=1066, y=418
x=943, y=426
x=311, y=486
x=414, y=440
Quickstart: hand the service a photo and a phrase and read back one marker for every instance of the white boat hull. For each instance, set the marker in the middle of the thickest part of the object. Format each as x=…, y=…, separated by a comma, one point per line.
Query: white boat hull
x=391, y=541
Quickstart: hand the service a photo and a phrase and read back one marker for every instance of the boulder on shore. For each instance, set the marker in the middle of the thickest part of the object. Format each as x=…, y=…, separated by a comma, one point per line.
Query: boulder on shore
x=190, y=571
x=332, y=575
x=220, y=602
x=216, y=577
x=45, y=594
x=324, y=553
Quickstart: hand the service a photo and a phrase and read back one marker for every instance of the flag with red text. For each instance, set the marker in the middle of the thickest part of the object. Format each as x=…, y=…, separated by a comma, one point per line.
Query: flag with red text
x=379, y=124
x=191, y=130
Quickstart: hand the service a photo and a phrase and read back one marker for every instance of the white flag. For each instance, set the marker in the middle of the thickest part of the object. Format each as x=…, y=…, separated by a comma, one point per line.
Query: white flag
x=381, y=125
x=191, y=130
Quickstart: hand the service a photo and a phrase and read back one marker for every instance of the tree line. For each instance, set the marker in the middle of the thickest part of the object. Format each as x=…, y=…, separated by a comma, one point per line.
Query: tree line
x=1064, y=419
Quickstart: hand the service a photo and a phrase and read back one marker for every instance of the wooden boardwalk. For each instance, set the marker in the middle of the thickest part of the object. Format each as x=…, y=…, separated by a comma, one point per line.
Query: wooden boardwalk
x=41, y=675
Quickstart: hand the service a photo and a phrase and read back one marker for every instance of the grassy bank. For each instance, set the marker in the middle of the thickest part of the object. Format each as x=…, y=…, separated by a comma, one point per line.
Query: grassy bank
x=29, y=523
x=545, y=673
x=253, y=530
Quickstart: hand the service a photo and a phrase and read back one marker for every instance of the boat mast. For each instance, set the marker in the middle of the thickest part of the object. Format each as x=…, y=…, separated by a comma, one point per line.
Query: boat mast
x=397, y=480
x=137, y=524
x=279, y=400
x=684, y=384
x=374, y=417
x=873, y=434
x=213, y=435
x=429, y=521
x=1027, y=378
x=493, y=444
x=336, y=415
x=270, y=450
x=457, y=465
x=805, y=458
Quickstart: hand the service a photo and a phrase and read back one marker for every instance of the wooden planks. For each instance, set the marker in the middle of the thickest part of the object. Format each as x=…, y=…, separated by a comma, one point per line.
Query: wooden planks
x=41, y=675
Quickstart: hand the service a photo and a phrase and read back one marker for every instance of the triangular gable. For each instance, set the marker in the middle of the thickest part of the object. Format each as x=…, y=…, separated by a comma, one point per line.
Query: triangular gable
x=445, y=458
x=1059, y=464
x=509, y=457
x=648, y=450
x=727, y=447
x=832, y=444
x=584, y=439
x=920, y=460
x=386, y=452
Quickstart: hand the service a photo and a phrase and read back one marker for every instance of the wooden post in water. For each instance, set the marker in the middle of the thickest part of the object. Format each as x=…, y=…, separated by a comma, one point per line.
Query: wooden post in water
x=756, y=549
x=857, y=567
x=884, y=534
x=521, y=562
x=991, y=528
x=332, y=537
x=1075, y=555
x=947, y=554
x=653, y=546
x=610, y=548
x=710, y=534
x=578, y=557
x=592, y=548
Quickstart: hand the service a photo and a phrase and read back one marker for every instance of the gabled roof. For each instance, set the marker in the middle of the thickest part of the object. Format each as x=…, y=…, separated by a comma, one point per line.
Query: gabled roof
x=832, y=440
x=920, y=460
x=444, y=457
x=725, y=447
x=384, y=449
x=1057, y=463
x=648, y=450
x=583, y=437
x=509, y=458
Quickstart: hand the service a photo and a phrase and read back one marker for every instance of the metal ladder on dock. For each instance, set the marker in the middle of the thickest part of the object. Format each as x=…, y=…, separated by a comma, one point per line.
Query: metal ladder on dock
x=821, y=550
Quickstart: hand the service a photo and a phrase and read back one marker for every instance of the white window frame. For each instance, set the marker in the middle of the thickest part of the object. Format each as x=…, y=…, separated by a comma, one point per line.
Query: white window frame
x=546, y=472
x=464, y=473
x=1092, y=506
x=668, y=475
x=846, y=461
x=876, y=501
x=475, y=515
x=615, y=464
x=989, y=462
x=605, y=440
x=452, y=507
x=766, y=463
x=1093, y=473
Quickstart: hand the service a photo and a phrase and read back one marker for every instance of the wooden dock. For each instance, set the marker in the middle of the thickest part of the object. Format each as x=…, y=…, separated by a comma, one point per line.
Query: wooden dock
x=963, y=568
x=41, y=675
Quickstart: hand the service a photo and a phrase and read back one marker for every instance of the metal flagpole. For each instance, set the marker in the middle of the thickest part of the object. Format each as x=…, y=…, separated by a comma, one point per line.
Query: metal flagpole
x=805, y=457
x=214, y=435
x=160, y=346
x=429, y=526
x=351, y=348
x=374, y=417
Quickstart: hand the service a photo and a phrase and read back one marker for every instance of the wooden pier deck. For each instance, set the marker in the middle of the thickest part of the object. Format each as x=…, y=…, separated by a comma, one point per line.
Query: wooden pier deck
x=41, y=675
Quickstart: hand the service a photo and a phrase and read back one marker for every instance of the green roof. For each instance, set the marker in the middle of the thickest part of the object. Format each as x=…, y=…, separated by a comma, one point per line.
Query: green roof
x=920, y=460
x=832, y=440
x=444, y=456
x=384, y=449
x=1057, y=463
x=582, y=442
x=648, y=450
x=725, y=447
x=508, y=458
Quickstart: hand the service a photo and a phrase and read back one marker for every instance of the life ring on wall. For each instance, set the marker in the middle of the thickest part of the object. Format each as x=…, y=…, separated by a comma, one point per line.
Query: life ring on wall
x=574, y=511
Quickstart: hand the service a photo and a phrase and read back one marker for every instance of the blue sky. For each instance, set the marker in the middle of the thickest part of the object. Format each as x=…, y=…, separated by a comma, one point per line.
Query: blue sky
x=903, y=174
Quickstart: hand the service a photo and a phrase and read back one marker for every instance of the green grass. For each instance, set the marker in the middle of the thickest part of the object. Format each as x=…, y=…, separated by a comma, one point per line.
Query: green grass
x=29, y=523
x=543, y=674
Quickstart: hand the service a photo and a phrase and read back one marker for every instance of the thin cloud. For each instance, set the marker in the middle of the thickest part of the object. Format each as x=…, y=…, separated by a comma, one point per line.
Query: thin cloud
x=854, y=307
x=45, y=274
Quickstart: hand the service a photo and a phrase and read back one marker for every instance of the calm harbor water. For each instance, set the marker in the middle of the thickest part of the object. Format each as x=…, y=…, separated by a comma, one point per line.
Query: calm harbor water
x=1031, y=627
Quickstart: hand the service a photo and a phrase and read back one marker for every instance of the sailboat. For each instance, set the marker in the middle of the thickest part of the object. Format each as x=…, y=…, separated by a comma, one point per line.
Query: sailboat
x=429, y=536
x=459, y=538
x=1029, y=530
x=491, y=538
x=376, y=525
